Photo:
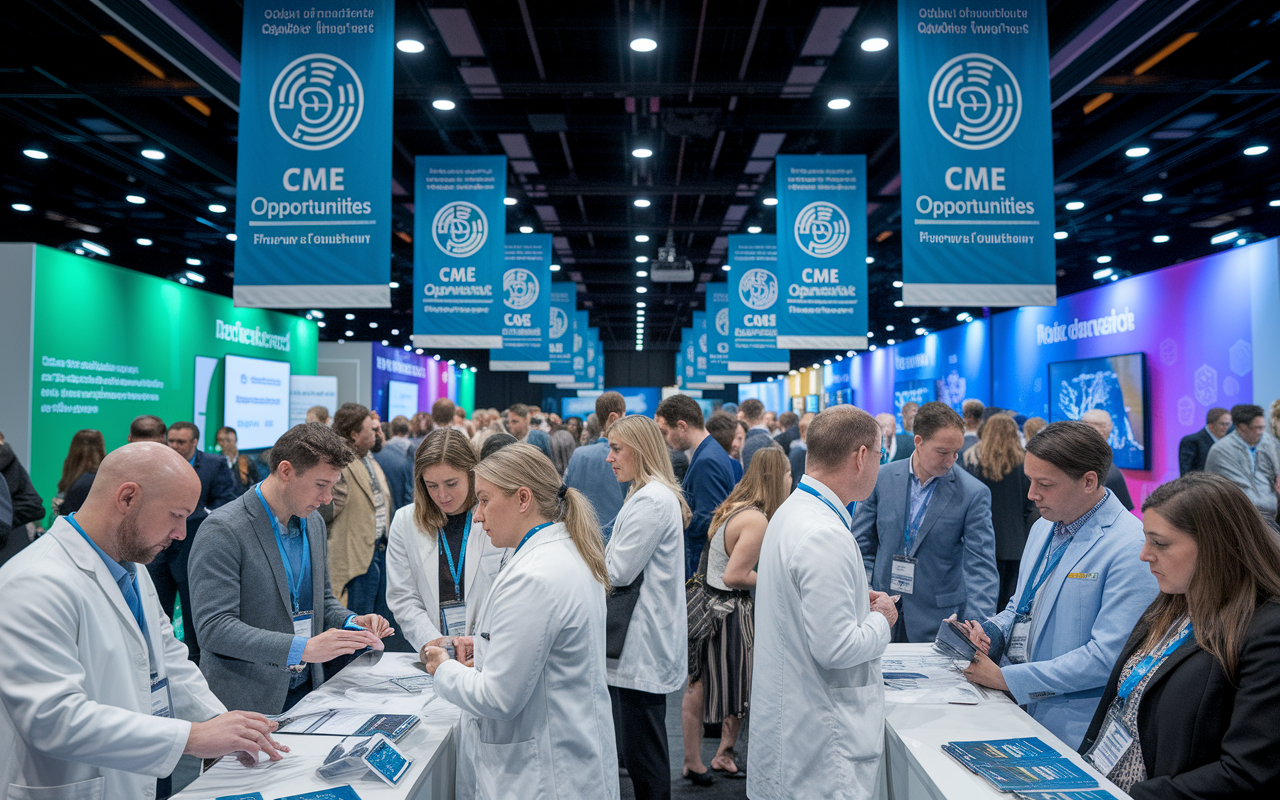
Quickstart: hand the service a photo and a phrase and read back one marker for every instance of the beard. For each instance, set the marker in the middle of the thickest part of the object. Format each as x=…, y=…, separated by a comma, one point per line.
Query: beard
x=133, y=545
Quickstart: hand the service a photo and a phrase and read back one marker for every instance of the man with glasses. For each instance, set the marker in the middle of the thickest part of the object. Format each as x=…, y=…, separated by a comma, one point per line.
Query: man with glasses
x=1239, y=457
x=169, y=569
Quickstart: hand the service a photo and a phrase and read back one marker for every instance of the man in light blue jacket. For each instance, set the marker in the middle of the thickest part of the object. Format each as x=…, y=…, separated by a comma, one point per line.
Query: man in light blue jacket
x=1081, y=587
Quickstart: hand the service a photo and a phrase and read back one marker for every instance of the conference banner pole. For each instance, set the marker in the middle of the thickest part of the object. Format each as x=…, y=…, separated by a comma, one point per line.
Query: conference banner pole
x=526, y=306
x=313, y=167
x=753, y=305
x=977, y=154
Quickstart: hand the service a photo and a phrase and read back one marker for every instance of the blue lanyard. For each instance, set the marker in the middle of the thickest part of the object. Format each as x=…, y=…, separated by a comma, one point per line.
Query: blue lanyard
x=135, y=602
x=807, y=488
x=1147, y=664
x=531, y=532
x=1041, y=573
x=456, y=574
x=913, y=527
x=295, y=587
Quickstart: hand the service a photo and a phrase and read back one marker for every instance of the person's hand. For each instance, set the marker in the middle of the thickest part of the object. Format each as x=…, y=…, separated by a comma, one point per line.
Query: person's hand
x=464, y=649
x=234, y=732
x=986, y=672
x=976, y=634
x=883, y=603
x=375, y=624
x=433, y=657
x=338, y=642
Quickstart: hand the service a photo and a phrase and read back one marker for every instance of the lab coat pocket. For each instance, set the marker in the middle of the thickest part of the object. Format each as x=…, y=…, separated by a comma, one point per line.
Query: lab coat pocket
x=857, y=709
x=509, y=771
x=84, y=790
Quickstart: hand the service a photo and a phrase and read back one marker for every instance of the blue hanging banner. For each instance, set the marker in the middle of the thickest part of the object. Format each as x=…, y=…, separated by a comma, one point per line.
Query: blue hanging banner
x=977, y=165
x=822, y=252
x=696, y=360
x=718, y=347
x=313, y=210
x=754, y=309
x=559, y=336
x=526, y=306
x=581, y=324
x=459, y=232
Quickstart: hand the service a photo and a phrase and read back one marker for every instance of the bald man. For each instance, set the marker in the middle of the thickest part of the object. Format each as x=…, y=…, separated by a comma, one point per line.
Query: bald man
x=1100, y=421
x=97, y=696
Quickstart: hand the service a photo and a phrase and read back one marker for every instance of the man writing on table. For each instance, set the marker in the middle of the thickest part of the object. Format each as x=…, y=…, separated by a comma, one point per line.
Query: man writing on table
x=260, y=579
x=97, y=697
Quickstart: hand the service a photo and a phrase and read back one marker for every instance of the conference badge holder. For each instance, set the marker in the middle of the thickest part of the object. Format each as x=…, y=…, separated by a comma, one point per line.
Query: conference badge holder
x=1112, y=744
x=453, y=618
x=902, y=577
x=1016, y=652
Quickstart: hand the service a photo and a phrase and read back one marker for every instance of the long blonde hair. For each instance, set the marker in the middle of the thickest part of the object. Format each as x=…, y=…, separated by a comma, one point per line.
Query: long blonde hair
x=763, y=487
x=653, y=462
x=443, y=446
x=521, y=464
x=998, y=450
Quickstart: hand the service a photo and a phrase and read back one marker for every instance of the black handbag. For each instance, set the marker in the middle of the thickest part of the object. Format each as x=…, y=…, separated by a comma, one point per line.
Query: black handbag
x=620, y=605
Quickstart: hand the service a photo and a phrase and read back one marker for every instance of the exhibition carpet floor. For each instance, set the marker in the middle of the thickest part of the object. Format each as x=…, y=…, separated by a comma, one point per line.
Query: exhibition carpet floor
x=723, y=788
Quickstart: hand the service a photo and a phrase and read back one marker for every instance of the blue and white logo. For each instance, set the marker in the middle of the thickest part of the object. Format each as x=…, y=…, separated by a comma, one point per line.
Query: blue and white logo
x=822, y=229
x=521, y=288
x=758, y=289
x=316, y=101
x=460, y=229
x=722, y=322
x=559, y=322
x=975, y=101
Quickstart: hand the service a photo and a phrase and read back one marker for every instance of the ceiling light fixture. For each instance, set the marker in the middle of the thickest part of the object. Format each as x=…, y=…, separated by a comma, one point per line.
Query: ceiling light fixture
x=1103, y=274
x=640, y=202
x=641, y=274
x=393, y=285
x=921, y=331
x=754, y=229
x=1137, y=152
x=642, y=237
x=641, y=290
x=38, y=155
x=889, y=328
x=410, y=46
x=641, y=152
x=94, y=247
x=1256, y=150
x=1223, y=238
x=875, y=44
x=871, y=259
x=555, y=267
x=771, y=201
x=144, y=242
x=217, y=208
x=526, y=229
x=839, y=103
x=194, y=277
x=642, y=259
x=1104, y=259
x=443, y=104
x=898, y=304
x=509, y=201
x=725, y=268
x=136, y=199
x=643, y=44
x=153, y=154
x=1152, y=197
x=351, y=316
x=1074, y=205
x=194, y=262
x=1060, y=235
x=1160, y=238
x=231, y=237
x=20, y=207
x=897, y=284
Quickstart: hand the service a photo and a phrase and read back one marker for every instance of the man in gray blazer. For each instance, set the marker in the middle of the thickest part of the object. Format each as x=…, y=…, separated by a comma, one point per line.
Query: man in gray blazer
x=259, y=573
x=1246, y=461
x=926, y=534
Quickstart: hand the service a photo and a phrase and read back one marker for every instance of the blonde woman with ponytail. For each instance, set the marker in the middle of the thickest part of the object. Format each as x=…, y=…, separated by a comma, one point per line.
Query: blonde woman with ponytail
x=645, y=555
x=536, y=721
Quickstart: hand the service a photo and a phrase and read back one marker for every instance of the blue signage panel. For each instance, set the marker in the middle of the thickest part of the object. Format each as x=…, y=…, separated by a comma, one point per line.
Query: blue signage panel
x=313, y=210
x=754, y=309
x=977, y=154
x=822, y=252
x=581, y=336
x=559, y=336
x=718, y=339
x=526, y=305
x=459, y=229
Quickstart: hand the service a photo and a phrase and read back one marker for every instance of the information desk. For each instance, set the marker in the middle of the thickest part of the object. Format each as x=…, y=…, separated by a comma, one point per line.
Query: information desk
x=363, y=683
x=917, y=724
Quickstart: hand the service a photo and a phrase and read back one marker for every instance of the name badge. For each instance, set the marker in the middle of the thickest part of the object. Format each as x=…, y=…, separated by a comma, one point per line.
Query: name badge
x=902, y=577
x=302, y=624
x=1016, y=652
x=1111, y=746
x=453, y=619
x=159, y=696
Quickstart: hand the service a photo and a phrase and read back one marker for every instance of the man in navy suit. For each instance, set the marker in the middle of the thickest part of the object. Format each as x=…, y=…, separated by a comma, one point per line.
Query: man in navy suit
x=169, y=569
x=1194, y=448
x=926, y=533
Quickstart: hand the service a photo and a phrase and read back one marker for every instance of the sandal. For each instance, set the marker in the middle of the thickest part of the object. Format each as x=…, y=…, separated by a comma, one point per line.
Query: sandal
x=737, y=772
x=698, y=778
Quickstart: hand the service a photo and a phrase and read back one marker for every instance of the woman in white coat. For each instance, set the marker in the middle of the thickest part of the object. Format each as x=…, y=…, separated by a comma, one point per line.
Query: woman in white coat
x=535, y=707
x=648, y=541
x=439, y=562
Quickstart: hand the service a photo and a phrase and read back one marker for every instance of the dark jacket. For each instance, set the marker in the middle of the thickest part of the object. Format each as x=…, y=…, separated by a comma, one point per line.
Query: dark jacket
x=906, y=445
x=6, y=513
x=755, y=440
x=27, y=503
x=76, y=494
x=1115, y=482
x=397, y=465
x=244, y=473
x=788, y=436
x=706, y=484
x=1012, y=512
x=1193, y=450
x=1203, y=738
x=215, y=487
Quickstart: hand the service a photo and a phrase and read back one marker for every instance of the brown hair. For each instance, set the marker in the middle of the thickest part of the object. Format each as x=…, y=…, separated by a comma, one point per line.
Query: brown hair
x=653, y=461
x=723, y=426
x=998, y=450
x=751, y=409
x=1033, y=426
x=321, y=413
x=837, y=433
x=1073, y=447
x=84, y=455
x=933, y=417
x=445, y=446
x=147, y=426
x=763, y=486
x=442, y=412
x=681, y=408
x=610, y=403
x=348, y=419
x=1237, y=564
x=308, y=444
x=972, y=409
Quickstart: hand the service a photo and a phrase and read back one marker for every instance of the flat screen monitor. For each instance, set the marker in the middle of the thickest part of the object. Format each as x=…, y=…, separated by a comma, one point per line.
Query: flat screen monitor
x=257, y=400
x=1115, y=384
x=580, y=407
x=402, y=399
x=811, y=403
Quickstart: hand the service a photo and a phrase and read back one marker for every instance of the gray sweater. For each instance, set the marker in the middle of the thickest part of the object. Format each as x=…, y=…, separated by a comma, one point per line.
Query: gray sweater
x=1229, y=457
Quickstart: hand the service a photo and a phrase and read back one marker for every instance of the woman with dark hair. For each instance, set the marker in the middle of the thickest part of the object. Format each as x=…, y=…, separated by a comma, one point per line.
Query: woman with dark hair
x=1192, y=708
x=996, y=460
x=78, y=469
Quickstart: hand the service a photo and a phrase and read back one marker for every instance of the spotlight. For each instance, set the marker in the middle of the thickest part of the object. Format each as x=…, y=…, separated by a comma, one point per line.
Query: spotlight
x=642, y=152
x=136, y=199
x=642, y=237
x=1137, y=152
x=1256, y=150
x=1160, y=238
x=642, y=259
x=526, y=229
x=1152, y=197
x=1060, y=235
x=410, y=46
x=144, y=242
x=643, y=44
x=1074, y=205
x=1103, y=274
x=509, y=201
x=38, y=155
x=640, y=202
x=839, y=103
x=194, y=262
x=217, y=208
x=20, y=207
x=154, y=155
x=443, y=105
x=754, y=229
x=1104, y=259
x=771, y=201
x=194, y=277
x=875, y=44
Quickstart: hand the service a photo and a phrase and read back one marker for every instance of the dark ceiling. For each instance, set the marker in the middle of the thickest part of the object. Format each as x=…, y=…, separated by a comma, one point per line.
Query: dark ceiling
x=556, y=88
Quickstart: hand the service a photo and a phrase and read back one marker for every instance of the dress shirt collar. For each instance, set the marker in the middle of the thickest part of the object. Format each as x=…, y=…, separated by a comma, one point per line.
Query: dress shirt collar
x=1072, y=528
x=831, y=497
x=915, y=481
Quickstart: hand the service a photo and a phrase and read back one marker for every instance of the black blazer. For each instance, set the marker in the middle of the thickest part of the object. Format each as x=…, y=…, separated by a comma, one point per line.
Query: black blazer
x=1193, y=450
x=1201, y=737
x=1012, y=512
x=216, y=487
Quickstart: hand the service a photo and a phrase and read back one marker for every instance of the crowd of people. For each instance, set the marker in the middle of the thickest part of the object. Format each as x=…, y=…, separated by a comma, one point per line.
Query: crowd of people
x=561, y=578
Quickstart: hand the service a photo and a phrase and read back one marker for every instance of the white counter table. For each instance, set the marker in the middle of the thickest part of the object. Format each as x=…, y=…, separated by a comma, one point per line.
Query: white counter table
x=915, y=766
x=431, y=745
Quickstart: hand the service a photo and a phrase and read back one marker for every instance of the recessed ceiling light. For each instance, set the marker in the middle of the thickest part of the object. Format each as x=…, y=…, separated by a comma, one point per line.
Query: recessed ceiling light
x=1103, y=274
x=642, y=259
x=94, y=247
x=643, y=44
x=640, y=202
x=194, y=262
x=443, y=105
x=1256, y=150
x=872, y=347
x=771, y=201
x=1152, y=197
x=1074, y=205
x=317, y=313
x=915, y=320
x=231, y=237
x=641, y=274
x=898, y=304
x=526, y=229
x=555, y=267
x=217, y=208
x=20, y=207
x=320, y=324
x=410, y=46
x=1060, y=235
x=754, y=229
x=921, y=331
x=194, y=277
x=640, y=305
x=1160, y=238
x=153, y=154
x=509, y=201
x=351, y=316
x=875, y=44
x=393, y=285
x=1137, y=152
x=897, y=284
x=136, y=199
x=1223, y=238
x=839, y=103
x=871, y=259
x=38, y=155
x=641, y=290
x=889, y=328
x=1104, y=259
x=892, y=341
x=642, y=152
x=642, y=237
x=725, y=267
x=373, y=324
x=144, y=242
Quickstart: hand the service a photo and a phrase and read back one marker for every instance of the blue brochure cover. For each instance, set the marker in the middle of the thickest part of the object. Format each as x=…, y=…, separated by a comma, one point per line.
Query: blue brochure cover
x=336, y=793
x=1096, y=794
x=1000, y=751
x=1039, y=775
x=250, y=796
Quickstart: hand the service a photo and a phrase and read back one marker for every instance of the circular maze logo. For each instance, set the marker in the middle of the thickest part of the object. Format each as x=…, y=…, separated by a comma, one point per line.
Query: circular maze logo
x=822, y=229
x=758, y=289
x=559, y=322
x=316, y=101
x=722, y=322
x=975, y=101
x=521, y=288
x=460, y=229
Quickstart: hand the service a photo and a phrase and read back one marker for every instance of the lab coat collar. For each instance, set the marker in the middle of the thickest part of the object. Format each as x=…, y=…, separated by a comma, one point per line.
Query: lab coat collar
x=86, y=558
x=831, y=497
x=552, y=533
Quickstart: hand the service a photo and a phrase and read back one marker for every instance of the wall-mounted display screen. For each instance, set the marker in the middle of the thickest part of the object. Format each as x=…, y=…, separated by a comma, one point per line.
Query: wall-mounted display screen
x=402, y=399
x=1115, y=384
x=257, y=400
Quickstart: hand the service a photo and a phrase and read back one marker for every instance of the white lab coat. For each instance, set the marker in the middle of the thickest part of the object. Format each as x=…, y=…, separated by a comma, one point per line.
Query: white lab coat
x=75, y=694
x=413, y=576
x=536, y=716
x=817, y=697
x=648, y=536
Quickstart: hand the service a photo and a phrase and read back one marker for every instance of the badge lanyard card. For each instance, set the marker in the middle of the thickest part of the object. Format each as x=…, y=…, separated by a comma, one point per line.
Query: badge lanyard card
x=453, y=615
x=301, y=619
x=1020, y=637
x=902, y=577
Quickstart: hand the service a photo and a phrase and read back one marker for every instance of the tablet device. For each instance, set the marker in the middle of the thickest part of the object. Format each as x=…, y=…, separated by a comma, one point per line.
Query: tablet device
x=385, y=760
x=393, y=726
x=954, y=641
